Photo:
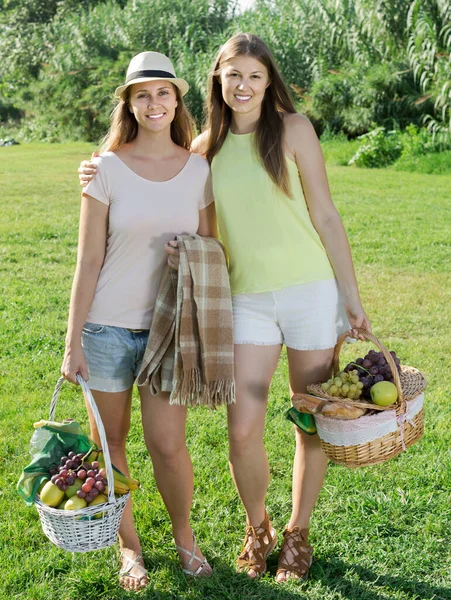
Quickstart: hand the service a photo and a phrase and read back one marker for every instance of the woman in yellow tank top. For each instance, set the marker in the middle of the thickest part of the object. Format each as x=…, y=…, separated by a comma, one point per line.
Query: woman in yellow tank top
x=292, y=279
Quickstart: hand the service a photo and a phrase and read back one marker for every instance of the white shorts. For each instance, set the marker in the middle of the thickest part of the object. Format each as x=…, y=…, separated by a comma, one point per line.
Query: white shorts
x=309, y=316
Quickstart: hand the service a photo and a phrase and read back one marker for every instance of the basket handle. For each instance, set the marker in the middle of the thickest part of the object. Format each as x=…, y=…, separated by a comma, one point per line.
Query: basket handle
x=402, y=406
x=95, y=411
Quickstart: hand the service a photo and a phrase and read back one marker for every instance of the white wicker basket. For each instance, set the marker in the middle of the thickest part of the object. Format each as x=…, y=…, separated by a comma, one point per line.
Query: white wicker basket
x=90, y=528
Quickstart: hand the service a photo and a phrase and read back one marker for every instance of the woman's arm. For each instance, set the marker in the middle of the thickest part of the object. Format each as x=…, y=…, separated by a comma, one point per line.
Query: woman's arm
x=91, y=253
x=199, y=144
x=304, y=144
x=87, y=170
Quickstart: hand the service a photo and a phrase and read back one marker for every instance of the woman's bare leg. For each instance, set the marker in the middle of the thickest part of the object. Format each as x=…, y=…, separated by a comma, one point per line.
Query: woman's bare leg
x=115, y=411
x=164, y=433
x=254, y=368
x=310, y=462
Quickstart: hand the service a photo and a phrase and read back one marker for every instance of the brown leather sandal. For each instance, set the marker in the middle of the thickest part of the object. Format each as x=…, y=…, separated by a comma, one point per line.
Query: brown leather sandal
x=258, y=544
x=295, y=556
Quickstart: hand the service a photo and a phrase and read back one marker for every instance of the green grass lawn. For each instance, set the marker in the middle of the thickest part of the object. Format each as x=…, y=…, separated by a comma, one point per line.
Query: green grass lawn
x=379, y=533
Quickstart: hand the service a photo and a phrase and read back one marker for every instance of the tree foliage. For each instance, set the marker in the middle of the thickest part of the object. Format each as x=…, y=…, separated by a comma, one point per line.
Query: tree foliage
x=350, y=63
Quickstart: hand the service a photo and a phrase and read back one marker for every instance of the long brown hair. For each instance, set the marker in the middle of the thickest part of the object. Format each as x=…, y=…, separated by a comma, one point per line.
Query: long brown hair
x=124, y=128
x=277, y=100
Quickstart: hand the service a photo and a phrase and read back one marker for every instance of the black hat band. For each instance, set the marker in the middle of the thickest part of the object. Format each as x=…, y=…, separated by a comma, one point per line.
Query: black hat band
x=149, y=73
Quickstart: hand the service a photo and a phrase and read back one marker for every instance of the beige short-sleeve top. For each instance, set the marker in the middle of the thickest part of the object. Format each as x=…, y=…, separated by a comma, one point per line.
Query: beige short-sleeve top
x=143, y=215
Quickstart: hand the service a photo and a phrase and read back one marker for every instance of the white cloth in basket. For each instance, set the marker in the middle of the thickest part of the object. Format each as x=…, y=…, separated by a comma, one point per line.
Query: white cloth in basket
x=367, y=428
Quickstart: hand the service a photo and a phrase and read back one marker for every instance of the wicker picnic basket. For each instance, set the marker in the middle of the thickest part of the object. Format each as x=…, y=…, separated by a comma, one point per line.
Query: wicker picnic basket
x=384, y=432
x=90, y=528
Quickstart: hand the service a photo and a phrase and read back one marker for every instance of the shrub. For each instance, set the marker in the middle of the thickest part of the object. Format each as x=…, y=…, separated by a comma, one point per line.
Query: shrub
x=378, y=149
x=356, y=97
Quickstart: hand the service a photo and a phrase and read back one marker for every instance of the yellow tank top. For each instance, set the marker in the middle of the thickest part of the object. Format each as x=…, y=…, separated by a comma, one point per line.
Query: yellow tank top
x=269, y=238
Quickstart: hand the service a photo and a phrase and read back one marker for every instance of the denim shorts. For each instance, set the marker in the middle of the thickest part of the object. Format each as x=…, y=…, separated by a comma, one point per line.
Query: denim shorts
x=309, y=316
x=114, y=356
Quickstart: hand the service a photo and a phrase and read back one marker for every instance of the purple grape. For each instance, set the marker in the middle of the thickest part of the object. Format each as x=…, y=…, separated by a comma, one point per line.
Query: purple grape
x=80, y=456
x=70, y=464
x=366, y=363
x=374, y=370
x=59, y=482
x=95, y=464
x=378, y=378
x=81, y=494
x=70, y=480
x=91, y=473
x=99, y=485
x=94, y=492
x=63, y=487
x=63, y=460
x=82, y=474
x=71, y=454
x=86, y=466
x=359, y=361
x=53, y=471
x=89, y=498
x=64, y=473
x=98, y=477
x=55, y=478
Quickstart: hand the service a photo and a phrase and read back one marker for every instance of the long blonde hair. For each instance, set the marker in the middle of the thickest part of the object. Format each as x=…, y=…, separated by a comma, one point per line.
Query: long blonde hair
x=277, y=100
x=124, y=128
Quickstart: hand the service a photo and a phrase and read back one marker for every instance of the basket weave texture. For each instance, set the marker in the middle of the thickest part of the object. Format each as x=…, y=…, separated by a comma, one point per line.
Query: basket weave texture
x=410, y=384
x=93, y=527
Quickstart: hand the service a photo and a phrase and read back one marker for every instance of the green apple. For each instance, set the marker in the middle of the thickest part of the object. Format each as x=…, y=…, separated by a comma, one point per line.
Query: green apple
x=384, y=393
x=75, y=503
x=73, y=489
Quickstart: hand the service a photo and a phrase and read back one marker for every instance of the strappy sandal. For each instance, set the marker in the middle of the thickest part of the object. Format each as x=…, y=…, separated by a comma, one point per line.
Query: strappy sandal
x=192, y=557
x=295, y=555
x=133, y=563
x=258, y=544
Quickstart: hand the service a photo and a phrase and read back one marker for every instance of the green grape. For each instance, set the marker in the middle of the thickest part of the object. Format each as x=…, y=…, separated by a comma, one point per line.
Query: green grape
x=325, y=386
x=358, y=393
x=343, y=376
x=351, y=395
x=353, y=388
x=338, y=383
x=345, y=388
x=330, y=382
x=354, y=379
x=333, y=390
x=354, y=372
x=359, y=385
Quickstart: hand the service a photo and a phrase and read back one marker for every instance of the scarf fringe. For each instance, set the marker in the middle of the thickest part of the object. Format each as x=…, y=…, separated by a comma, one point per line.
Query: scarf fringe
x=191, y=391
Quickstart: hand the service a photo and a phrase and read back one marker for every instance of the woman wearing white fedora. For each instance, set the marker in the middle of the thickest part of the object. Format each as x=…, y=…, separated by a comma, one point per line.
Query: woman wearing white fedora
x=149, y=188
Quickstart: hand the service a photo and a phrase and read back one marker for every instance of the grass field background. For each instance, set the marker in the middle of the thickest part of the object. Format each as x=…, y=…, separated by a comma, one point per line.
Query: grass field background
x=382, y=532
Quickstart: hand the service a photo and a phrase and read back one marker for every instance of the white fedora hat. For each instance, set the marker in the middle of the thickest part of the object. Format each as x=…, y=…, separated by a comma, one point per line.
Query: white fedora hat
x=151, y=66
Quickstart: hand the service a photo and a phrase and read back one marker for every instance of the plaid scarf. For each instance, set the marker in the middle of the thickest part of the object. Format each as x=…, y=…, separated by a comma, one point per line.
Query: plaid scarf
x=190, y=347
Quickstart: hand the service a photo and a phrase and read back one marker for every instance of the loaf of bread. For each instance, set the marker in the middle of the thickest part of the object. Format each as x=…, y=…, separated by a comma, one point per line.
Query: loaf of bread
x=341, y=410
x=308, y=404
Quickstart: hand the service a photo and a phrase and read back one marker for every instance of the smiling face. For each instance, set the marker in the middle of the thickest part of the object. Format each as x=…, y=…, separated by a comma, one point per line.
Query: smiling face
x=153, y=104
x=244, y=80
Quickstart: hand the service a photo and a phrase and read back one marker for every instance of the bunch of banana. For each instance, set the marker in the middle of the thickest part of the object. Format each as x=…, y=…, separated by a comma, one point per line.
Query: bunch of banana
x=122, y=483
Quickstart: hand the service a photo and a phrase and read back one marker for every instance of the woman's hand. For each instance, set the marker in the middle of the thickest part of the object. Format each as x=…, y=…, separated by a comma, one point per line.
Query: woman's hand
x=87, y=170
x=171, y=248
x=357, y=318
x=74, y=362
